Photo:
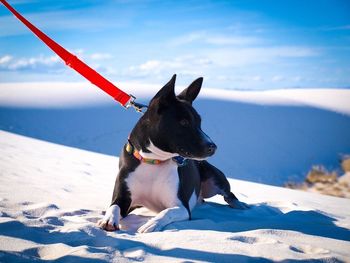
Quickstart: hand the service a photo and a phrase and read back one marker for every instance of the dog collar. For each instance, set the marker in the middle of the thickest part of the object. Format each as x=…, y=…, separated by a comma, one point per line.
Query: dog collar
x=130, y=149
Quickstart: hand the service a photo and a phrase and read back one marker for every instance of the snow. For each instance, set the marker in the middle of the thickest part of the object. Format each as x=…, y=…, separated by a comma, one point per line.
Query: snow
x=51, y=196
x=70, y=94
x=271, y=137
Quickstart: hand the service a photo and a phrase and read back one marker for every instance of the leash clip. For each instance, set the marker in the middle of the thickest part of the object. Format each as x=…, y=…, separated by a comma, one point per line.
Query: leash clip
x=180, y=161
x=138, y=107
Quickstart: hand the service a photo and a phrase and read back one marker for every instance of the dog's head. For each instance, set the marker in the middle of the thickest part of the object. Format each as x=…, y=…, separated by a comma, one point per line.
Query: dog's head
x=174, y=126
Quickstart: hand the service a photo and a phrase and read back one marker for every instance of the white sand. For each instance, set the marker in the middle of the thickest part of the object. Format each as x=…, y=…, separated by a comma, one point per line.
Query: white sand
x=68, y=94
x=52, y=195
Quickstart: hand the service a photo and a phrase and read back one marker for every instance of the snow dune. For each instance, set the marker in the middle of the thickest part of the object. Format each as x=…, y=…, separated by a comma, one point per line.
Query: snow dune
x=262, y=136
x=52, y=195
x=72, y=94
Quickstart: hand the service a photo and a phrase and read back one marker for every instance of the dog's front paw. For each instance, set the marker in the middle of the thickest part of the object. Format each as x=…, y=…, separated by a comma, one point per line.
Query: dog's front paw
x=110, y=221
x=151, y=226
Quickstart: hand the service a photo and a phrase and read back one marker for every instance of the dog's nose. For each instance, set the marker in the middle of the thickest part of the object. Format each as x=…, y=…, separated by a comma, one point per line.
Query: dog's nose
x=211, y=148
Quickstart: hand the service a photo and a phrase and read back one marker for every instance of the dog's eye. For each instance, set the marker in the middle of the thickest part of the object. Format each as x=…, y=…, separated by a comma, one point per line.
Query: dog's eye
x=184, y=123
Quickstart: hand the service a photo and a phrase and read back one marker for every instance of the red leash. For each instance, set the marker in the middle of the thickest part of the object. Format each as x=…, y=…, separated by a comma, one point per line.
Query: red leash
x=83, y=69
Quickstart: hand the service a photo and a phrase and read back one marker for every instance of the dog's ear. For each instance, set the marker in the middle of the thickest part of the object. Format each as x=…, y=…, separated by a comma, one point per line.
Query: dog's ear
x=167, y=92
x=191, y=93
x=165, y=95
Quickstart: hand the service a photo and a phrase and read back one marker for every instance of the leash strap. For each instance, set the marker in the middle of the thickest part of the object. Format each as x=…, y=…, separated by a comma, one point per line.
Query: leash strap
x=83, y=69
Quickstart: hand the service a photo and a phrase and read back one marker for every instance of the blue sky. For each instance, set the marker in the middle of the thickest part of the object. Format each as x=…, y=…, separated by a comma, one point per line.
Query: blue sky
x=232, y=44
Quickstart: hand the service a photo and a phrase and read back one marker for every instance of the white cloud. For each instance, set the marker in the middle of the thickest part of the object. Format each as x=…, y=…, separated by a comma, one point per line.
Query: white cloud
x=102, y=69
x=293, y=51
x=239, y=57
x=189, y=38
x=257, y=78
x=79, y=52
x=5, y=59
x=187, y=65
x=152, y=65
x=223, y=78
x=51, y=63
x=100, y=56
x=214, y=39
x=297, y=78
x=277, y=78
x=10, y=63
x=240, y=78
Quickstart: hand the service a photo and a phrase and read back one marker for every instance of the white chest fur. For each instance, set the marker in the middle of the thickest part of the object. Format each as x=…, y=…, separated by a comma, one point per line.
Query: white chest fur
x=154, y=186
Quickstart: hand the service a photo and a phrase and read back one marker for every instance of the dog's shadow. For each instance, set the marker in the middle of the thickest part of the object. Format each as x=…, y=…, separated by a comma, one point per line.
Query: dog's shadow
x=218, y=217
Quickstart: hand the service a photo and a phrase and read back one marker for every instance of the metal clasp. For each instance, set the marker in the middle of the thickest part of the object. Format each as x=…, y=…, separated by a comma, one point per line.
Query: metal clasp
x=137, y=106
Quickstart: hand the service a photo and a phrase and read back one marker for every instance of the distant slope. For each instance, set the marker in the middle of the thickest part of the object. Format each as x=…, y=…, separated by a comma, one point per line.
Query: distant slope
x=51, y=197
x=267, y=136
x=274, y=144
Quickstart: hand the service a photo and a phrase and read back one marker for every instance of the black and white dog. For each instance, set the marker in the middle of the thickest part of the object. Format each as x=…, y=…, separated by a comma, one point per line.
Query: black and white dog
x=153, y=172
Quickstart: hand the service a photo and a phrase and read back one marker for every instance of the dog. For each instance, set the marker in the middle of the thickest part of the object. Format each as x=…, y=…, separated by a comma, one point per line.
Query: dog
x=163, y=165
